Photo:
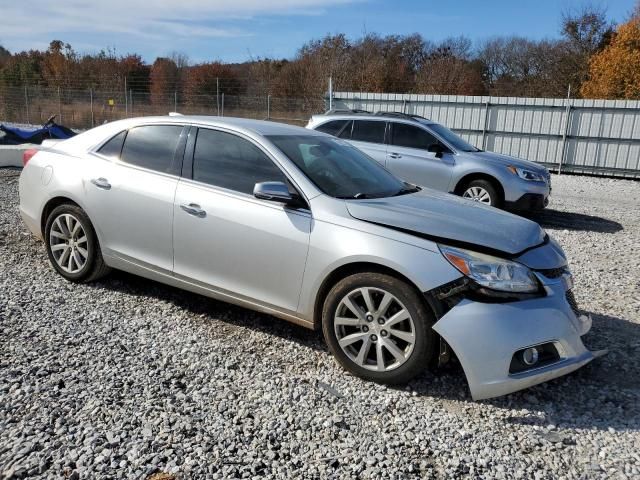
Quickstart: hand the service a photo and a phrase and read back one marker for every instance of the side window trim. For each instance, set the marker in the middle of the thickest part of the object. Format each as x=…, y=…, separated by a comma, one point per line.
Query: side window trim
x=189, y=159
x=178, y=154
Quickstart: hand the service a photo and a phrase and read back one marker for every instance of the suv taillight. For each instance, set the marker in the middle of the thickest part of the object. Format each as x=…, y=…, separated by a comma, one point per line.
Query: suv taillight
x=26, y=156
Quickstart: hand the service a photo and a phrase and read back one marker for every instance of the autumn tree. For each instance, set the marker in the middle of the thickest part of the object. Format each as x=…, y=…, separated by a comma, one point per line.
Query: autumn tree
x=209, y=79
x=164, y=80
x=449, y=68
x=615, y=71
x=586, y=31
x=59, y=64
x=4, y=56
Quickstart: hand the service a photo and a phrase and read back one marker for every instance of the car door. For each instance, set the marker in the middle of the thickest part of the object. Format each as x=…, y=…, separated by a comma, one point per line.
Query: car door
x=228, y=239
x=130, y=193
x=368, y=136
x=408, y=156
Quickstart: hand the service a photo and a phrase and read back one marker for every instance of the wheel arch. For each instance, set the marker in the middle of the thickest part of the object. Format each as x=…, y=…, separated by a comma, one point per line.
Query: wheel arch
x=345, y=270
x=51, y=204
x=469, y=177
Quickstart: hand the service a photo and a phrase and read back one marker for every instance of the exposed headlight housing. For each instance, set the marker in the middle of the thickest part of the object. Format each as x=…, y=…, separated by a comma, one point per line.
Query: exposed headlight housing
x=491, y=272
x=525, y=174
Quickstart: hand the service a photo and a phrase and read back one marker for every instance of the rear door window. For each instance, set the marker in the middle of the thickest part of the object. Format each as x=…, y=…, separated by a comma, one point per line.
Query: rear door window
x=371, y=131
x=404, y=135
x=151, y=146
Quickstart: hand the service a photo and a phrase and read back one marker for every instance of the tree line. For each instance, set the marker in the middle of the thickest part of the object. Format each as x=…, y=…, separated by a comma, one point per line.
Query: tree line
x=592, y=55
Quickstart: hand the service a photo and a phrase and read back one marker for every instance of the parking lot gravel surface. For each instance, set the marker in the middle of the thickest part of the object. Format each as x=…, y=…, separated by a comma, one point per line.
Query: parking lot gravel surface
x=127, y=378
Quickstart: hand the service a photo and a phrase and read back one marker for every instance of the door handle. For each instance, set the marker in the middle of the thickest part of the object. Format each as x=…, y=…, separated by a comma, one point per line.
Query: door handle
x=394, y=155
x=194, y=209
x=102, y=183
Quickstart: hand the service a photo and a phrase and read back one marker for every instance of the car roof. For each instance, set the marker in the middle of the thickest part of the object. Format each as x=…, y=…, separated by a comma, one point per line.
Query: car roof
x=261, y=127
x=362, y=115
x=90, y=138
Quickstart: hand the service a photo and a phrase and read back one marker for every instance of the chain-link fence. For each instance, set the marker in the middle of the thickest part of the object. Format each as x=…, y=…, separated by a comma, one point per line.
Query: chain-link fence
x=87, y=108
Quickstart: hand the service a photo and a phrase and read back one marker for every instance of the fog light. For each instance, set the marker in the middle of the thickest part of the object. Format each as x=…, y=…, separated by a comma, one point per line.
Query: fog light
x=530, y=356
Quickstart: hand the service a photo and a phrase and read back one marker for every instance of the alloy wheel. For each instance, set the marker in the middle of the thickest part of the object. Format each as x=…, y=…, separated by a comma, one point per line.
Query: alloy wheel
x=374, y=329
x=68, y=243
x=477, y=194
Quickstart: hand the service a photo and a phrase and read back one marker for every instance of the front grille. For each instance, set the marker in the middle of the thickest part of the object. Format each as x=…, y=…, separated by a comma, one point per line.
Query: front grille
x=553, y=272
x=571, y=300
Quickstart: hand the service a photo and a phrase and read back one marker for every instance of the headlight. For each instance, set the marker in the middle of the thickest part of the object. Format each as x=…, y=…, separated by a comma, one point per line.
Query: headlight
x=526, y=174
x=491, y=272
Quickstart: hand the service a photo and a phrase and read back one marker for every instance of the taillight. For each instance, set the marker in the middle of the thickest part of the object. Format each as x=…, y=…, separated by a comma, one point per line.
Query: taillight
x=26, y=156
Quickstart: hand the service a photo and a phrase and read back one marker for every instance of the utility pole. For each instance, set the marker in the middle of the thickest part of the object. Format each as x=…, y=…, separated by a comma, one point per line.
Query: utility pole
x=59, y=106
x=126, y=100
x=567, y=114
x=26, y=103
x=330, y=93
x=218, y=94
x=91, y=99
x=268, y=107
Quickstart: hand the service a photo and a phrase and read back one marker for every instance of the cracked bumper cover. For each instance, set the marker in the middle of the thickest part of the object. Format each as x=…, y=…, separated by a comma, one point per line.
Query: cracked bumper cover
x=485, y=336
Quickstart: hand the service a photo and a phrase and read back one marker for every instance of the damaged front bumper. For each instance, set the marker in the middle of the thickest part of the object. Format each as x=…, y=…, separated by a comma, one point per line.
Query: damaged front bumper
x=488, y=339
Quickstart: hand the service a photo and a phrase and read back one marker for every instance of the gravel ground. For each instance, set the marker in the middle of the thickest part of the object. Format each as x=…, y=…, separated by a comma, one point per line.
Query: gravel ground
x=126, y=378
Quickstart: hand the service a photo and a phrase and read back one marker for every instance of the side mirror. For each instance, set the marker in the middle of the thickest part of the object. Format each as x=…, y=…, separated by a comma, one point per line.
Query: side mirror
x=437, y=149
x=274, y=191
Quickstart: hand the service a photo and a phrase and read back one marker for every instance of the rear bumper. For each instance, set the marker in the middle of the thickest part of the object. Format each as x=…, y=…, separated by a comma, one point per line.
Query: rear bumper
x=32, y=224
x=485, y=337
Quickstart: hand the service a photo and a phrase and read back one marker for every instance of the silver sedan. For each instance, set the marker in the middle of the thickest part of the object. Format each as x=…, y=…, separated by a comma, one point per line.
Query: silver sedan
x=306, y=227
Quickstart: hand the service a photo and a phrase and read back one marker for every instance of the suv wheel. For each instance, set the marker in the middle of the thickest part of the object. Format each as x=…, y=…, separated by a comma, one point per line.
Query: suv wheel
x=378, y=328
x=482, y=191
x=72, y=245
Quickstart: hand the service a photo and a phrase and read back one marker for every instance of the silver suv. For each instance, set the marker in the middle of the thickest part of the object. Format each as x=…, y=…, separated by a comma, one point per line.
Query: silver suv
x=426, y=153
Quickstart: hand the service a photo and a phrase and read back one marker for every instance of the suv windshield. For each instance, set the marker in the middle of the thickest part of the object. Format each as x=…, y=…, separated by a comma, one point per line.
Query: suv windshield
x=451, y=138
x=338, y=168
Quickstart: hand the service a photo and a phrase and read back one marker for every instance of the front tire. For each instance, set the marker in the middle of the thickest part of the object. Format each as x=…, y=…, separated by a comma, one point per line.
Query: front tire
x=378, y=328
x=72, y=245
x=482, y=191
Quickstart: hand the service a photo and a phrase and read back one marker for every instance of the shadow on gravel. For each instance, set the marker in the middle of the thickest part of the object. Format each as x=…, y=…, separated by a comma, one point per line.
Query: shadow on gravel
x=602, y=395
x=598, y=396
x=208, y=309
x=573, y=221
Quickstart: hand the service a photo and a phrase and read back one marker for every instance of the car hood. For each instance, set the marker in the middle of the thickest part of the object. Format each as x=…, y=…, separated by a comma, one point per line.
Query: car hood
x=500, y=159
x=445, y=218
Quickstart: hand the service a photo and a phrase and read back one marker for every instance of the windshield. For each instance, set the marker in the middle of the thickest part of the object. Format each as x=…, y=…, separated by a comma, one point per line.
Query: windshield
x=452, y=139
x=338, y=168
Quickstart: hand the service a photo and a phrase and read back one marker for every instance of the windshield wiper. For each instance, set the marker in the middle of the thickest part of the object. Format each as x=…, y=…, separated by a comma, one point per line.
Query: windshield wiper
x=406, y=190
x=357, y=196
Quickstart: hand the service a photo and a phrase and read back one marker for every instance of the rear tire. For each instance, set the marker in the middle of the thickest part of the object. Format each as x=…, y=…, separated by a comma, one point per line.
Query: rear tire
x=379, y=328
x=482, y=191
x=72, y=245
